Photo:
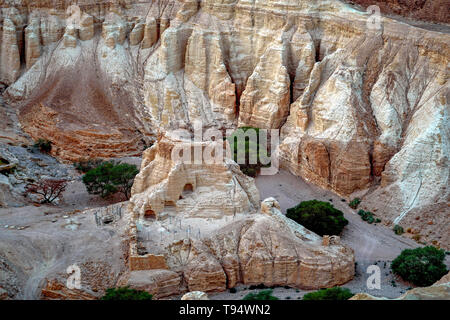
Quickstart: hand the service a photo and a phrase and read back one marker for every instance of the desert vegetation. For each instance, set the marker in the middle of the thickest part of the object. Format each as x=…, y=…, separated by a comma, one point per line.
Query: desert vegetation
x=368, y=217
x=125, y=293
x=261, y=295
x=109, y=178
x=45, y=146
x=48, y=189
x=335, y=293
x=87, y=165
x=354, y=203
x=420, y=266
x=252, y=164
x=398, y=230
x=318, y=216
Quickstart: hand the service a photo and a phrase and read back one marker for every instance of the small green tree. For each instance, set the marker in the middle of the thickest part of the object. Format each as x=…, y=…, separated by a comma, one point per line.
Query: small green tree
x=421, y=266
x=125, y=293
x=109, y=178
x=251, y=150
x=336, y=293
x=354, y=203
x=45, y=146
x=318, y=216
x=262, y=295
x=87, y=165
x=398, y=229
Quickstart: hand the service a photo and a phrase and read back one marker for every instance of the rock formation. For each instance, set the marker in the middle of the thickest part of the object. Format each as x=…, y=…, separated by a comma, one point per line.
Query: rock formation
x=164, y=183
x=362, y=108
x=252, y=246
x=195, y=295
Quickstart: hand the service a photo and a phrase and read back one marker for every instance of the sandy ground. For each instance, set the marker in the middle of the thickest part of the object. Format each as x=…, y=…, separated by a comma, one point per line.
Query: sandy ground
x=373, y=244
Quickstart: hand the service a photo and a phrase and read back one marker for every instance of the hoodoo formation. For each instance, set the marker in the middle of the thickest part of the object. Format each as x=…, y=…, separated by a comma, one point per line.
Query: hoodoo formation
x=359, y=100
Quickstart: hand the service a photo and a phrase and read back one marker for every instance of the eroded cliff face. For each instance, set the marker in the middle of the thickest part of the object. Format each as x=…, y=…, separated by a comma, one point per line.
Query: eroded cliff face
x=234, y=240
x=360, y=109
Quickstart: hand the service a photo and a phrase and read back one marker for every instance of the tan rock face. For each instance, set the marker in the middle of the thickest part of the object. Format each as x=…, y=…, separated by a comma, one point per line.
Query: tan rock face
x=32, y=43
x=10, y=55
x=163, y=183
x=195, y=295
x=243, y=244
x=86, y=27
x=359, y=109
x=159, y=283
x=150, y=35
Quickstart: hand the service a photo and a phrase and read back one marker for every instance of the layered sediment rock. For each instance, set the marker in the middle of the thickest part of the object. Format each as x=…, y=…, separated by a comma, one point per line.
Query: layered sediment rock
x=362, y=108
x=10, y=54
x=165, y=182
x=258, y=245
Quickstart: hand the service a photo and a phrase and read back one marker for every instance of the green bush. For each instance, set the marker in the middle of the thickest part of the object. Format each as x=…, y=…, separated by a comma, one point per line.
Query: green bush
x=421, y=266
x=398, y=229
x=126, y=293
x=368, y=216
x=336, y=293
x=262, y=295
x=43, y=145
x=354, y=203
x=318, y=216
x=87, y=165
x=251, y=152
x=109, y=178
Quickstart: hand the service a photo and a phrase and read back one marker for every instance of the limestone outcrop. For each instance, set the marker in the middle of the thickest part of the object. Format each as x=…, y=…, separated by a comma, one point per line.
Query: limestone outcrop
x=362, y=108
x=195, y=295
x=227, y=237
x=10, y=55
x=164, y=184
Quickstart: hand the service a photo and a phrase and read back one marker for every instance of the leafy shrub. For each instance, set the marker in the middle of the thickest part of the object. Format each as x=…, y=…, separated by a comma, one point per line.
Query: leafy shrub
x=318, y=216
x=367, y=216
x=262, y=295
x=336, y=293
x=49, y=189
x=87, y=165
x=109, y=178
x=252, y=163
x=421, y=266
x=125, y=293
x=398, y=229
x=354, y=203
x=258, y=286
x=43, y=145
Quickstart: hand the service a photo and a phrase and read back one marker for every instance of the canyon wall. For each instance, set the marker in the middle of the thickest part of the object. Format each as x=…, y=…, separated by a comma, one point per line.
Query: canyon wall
x=362, y=109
